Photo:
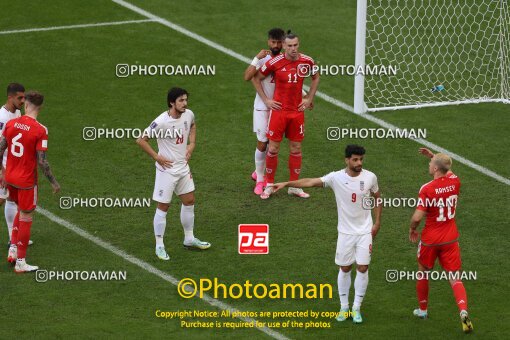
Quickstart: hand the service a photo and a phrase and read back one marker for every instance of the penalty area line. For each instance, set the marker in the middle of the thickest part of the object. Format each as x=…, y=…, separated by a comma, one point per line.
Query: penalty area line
x=150, y=268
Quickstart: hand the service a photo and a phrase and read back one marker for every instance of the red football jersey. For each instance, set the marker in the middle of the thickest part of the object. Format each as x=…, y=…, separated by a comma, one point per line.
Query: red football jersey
x=288, y=77
x=439, y=199
x=25, y=136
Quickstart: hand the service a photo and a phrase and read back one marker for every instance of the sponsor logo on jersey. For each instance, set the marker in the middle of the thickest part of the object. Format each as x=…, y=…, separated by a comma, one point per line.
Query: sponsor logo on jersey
x=185, y=126
x=153, y=125
x=362, y=185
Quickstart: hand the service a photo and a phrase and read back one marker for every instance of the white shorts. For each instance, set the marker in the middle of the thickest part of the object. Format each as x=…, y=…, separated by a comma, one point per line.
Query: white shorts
x=353, y=248
x=166, y=184
x=4, y=193
x=260, y=118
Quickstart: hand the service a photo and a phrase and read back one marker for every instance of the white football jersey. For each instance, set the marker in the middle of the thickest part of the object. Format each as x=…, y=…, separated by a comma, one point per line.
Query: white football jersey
x=172, y=136
x=5, y=116
x=268, y=86
x=349, y=191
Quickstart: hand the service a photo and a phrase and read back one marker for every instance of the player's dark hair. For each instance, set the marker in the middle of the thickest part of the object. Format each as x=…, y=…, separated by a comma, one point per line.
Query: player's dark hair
x=12, y=88
x=276, y=34
x=290, y=35
x=34, y=98
x=354, y=149
x=174, y=93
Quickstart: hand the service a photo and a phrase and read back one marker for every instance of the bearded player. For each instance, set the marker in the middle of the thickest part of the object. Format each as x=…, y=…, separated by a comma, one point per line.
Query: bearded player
x=172, y=129
x=352, y=186
x=11, y=110
x=287, y=108
x=439, y=238
x=260, y=110
x=27, y=141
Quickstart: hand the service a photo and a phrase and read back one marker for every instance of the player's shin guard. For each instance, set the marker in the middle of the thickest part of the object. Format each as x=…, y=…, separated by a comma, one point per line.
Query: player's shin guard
x=460, y=295
x=159, y=226
x=360, y=288
x=10, y=210
x=260, y=163
x=271, y=165
x=295, y=160
x=188, y=222
x=15, y=229
x=25, y=223
x=344, y=285
x=422, y=292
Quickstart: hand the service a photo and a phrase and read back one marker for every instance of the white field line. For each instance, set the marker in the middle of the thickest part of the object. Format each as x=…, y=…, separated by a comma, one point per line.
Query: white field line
x=149, y=268
x=319, y=94
x=54, y=28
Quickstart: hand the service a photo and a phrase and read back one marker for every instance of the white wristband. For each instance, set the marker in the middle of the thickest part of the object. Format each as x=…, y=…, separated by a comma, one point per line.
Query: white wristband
x=255, y=62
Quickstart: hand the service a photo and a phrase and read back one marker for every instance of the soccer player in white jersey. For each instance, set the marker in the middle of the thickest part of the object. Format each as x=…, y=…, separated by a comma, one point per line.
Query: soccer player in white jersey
x=355, y=191
x=172, y=129
x=11, y=110
x=275, y=38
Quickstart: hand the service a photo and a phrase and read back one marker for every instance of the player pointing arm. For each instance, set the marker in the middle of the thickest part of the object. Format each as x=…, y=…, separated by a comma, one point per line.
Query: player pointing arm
x=356, y=230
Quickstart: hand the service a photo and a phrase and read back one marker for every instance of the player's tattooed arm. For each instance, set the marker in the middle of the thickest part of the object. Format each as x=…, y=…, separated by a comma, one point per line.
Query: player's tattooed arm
x=3, y=145
x=45, y=166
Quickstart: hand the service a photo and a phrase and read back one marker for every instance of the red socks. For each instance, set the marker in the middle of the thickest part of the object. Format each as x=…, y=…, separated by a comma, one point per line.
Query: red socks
x=460, y=295
x=295, y=166
x=295, y=160
x=422, y=291
x=15, y=229
x=25, y=223
x=271, y=165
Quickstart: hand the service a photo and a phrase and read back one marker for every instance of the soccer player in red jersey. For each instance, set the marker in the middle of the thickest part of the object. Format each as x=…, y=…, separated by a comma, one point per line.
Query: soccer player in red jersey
x=439, y=239
x=27, y=141
x=287, y=108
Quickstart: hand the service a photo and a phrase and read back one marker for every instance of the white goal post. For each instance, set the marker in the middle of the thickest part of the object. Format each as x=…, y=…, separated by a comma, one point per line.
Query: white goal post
x=445, y=52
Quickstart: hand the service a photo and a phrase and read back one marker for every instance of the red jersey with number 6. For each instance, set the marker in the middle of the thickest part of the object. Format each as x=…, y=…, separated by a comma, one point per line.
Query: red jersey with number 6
x=25, y=136
x=288, y=76
x=439, y=199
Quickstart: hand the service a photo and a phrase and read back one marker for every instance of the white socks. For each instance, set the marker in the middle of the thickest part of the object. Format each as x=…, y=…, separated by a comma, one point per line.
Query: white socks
x=10, y=210
x=159, y=227
x=188, y=222
x=360, y=288
x=344, y=284
x=260, y=164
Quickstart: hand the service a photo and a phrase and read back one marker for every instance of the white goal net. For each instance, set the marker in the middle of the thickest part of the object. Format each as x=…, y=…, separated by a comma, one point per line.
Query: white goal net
x=445, y=51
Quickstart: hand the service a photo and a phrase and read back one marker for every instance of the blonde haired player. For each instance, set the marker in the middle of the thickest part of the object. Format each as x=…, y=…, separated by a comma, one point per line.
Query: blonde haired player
x=172, y=129
x=439, y=238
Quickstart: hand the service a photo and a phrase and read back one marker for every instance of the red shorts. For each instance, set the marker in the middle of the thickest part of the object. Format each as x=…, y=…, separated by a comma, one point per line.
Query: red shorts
x=26, y=199
x=448, y=254
x=290, y=123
